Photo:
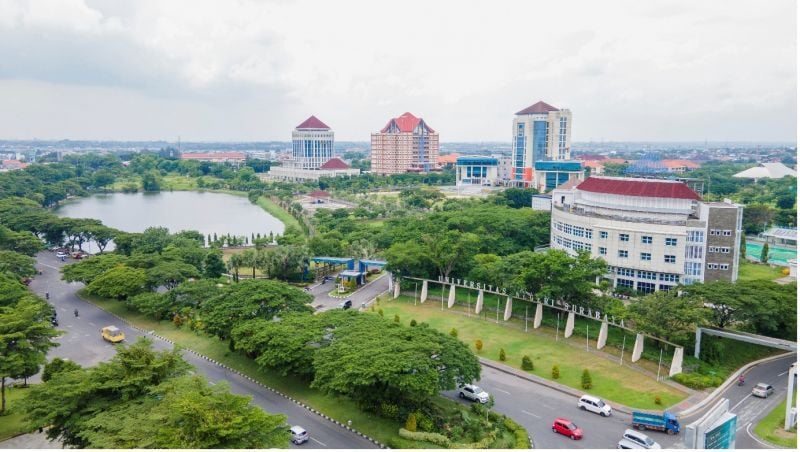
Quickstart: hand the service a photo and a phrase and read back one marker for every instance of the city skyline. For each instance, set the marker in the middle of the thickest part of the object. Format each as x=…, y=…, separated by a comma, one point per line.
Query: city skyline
x=672, y=71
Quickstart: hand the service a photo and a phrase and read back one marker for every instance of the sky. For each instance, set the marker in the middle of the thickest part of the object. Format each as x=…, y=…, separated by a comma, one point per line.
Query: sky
x=243, y=70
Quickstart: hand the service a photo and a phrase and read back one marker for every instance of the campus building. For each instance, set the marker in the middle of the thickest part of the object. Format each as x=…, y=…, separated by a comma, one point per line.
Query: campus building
x=312, y=144
x=405, y=144
x=654, y=234
x=540, y=133
x=216, y=157
x=477, y=170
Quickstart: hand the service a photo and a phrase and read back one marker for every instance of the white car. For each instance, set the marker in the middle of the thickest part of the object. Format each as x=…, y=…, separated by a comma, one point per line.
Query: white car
x=632, y=439
x=474, y=393
x=299, y=434
x=763, y=390
x=61, y=254
x=594, y=404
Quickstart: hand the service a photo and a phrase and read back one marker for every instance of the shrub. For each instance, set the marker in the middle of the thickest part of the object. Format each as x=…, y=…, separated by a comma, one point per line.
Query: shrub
x=484, y=443
x=527, y=364
x=413, y=322
x=555, y=373
x=478, y=345
x=396, y=318
x=657, y=400
x=425, y=423
x=698, y=381
x=411, y=422
x=380, y=312
x=502, y=354
x=435, y=438
x=454, y=332
x=177, y=320
x=586, y=379
x=372, y=307
x=389, y=410
x=520, y=434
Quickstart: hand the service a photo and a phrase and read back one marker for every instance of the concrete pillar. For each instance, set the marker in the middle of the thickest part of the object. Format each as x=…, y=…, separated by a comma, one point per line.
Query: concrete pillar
x=570, y=324
x=603, y=336
x=479, y=302
x=698, y=335
x=507, y=313
x=424, y=294
x=397, y=289
x=677, y=362
x=537, y=318
x=451, y=299
x=787, y=423
x=638, y=347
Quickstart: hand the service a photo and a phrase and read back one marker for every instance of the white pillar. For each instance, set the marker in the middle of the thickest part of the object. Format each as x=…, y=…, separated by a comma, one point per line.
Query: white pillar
x=451, y=299
x=479, y=302
x=570, y=324
x=787, y=424
x=424, y=294
x=507, y=314
x=638, y=346
x=677, y=362
x=397, y=289
x=603, y=336
x=537, y=318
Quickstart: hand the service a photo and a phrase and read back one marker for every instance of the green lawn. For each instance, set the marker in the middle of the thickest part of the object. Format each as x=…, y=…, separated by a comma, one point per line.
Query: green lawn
x=277, y=211
x=771, y=427
x=337, y=407
x=611, y=381
x=751, y=272
x=12, y=424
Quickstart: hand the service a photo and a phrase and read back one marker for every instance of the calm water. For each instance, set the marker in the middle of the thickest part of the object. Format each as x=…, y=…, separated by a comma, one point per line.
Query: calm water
x=208, y=213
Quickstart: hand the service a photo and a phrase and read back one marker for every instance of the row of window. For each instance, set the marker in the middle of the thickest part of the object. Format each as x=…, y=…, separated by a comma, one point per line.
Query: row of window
x=695, y=236
x=577, y=231
x=574, y=244
x=723, y=232
x=645, y=287
x=719, y=249
x=668, y=258
x=629, y=272
x=715, y=266
x=694, y=252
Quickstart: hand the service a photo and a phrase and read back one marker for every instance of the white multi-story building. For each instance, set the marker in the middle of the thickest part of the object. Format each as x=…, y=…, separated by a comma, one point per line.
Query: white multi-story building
x=540, y=133
x=654, y=234
x=312, y=144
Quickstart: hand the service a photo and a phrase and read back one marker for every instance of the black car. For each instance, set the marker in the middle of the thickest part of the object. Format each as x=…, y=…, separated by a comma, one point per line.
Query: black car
x=346, y=304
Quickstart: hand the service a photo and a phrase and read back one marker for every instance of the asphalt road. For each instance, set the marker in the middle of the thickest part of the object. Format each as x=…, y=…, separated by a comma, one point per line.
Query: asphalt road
x=81, y=342
x=324, y=302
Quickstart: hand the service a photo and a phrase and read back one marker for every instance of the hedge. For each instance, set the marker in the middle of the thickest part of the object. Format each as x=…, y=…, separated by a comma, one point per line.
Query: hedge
x=435, y=438
x=521, y=440
x=482, y=444
x=698, y=381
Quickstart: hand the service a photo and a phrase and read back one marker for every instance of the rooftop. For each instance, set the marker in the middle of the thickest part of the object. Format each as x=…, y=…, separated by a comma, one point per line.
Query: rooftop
x=647, y=188
x=312, y=123
x=334, y=164
x=767, y=170
x=538, y=107
x=213, y=156
x=405, y=123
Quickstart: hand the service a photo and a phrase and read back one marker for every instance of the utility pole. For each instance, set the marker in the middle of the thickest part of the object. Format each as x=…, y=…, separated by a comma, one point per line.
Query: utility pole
x=658, y=374
x=623, y=349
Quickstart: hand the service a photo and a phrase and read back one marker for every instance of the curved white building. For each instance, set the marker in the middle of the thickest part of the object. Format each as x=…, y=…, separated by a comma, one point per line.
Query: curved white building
x=654, y=234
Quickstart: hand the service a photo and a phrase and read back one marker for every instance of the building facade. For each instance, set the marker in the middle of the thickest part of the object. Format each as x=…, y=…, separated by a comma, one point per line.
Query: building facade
x=654, y=234
x=405, y=144
x=312, y=144
x=549, y=175
x=477, y=170
x=540, y=133
x=233, y=157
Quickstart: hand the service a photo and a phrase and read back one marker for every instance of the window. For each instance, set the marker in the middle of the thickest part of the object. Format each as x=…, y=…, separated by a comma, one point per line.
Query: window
x=726, y=232
x=669, y=258
x=665, y=288
x=645, y=287
x=646, y=275
x=724, y=266
x=623, y=253
x=671, y=241
x=647, y=239
x=725, y=250
x=625, y=283
x=693, y=268
x=712, y=266
x=626, y=272
x=624, y=237
x=668, y=277
x=603, y=250
x=603, y=234
x=646, y=256
x=695, y=236
x=694, y=252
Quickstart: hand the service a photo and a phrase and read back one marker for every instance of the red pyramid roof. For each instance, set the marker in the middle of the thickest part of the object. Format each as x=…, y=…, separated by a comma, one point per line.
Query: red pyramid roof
x=647, y=188
x=406, y=123
x=334, y=164
x=313, y=123
x=538, y=107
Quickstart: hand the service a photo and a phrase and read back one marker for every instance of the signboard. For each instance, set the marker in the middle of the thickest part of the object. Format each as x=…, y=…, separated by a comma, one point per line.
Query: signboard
x=722, y=435
x=714, y=430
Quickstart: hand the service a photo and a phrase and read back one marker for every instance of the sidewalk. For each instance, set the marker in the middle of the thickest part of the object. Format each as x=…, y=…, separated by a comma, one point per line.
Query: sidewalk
x=30, y=441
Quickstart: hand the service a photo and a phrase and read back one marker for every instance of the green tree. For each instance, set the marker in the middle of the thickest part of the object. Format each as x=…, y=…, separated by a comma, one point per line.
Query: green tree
x=170, y=273
x=119, y=282
x=58, y=365
x=765, y=253
x=669, y=316
x=16, y=263
x=586, y=379
x=151, y=181
x=91, y=267
x=213, y=266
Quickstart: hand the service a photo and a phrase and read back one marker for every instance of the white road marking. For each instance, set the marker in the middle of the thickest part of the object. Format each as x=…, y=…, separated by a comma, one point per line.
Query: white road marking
x=531, y=414
x=740, y=402
x=49, y=266
x=504, y=392
x=90, y=323
x=319, y=442
x=769, y=446
x=783, y=373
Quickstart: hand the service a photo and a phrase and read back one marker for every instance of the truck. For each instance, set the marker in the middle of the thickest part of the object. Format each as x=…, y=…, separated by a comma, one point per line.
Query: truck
x=666, y=422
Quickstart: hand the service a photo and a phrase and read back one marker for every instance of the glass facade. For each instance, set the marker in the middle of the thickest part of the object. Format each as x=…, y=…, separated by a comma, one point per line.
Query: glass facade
x=540, y=139
x=519, y=151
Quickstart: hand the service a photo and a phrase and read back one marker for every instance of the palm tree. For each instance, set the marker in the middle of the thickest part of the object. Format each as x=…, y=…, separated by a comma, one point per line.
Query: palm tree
x=234, y=263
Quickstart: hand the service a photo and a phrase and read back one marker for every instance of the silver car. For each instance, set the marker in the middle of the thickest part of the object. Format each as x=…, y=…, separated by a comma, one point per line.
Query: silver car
x=474, y=393
x=763, y=390
x=299, y=434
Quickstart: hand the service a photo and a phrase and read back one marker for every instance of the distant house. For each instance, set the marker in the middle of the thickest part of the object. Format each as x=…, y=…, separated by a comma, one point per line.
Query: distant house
x=447, y=160
x=11, y=165
x=767, y=170
x=215, y=157
x=334, y=167
x=680, y=166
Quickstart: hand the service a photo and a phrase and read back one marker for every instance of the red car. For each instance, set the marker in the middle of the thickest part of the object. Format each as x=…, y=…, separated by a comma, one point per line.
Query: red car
x=567, y=428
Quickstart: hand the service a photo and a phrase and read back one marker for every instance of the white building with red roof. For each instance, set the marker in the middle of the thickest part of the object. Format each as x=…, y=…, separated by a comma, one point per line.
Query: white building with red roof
x=312, y=144
x=653, y=233
x=406, y=144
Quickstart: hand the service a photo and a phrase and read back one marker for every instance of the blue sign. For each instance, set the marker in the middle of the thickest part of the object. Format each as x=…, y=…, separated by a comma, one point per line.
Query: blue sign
x=722, y=435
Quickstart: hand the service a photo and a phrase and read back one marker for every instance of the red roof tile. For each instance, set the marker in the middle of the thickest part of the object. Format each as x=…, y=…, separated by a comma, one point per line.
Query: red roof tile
x=319, y=194
x=334, y=164
x=538, y=107
x=313, y=123
x=405, y=123
x=639, y=187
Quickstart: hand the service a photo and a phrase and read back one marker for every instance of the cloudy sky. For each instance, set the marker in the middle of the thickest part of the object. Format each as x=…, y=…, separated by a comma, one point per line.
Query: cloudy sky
x=252, y=70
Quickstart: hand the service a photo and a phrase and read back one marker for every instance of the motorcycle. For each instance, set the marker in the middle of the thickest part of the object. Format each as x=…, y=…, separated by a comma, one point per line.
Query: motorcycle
x=741, y=381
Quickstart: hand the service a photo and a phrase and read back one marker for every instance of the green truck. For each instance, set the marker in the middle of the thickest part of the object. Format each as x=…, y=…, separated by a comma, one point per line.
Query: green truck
x=666, y=422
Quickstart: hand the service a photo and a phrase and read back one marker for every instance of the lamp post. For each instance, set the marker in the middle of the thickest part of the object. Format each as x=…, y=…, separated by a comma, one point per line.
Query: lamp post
x=415, y=293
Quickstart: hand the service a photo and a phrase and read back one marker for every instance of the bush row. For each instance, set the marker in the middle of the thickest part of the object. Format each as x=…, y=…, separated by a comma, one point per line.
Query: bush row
x=697, y=381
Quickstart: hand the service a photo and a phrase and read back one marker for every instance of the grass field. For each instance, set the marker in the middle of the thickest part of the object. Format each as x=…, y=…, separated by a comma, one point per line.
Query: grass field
x=771, y=427
x=12, y=424
x=337, y=407
x=617, y=383
x=277, y=211
x=752, y=272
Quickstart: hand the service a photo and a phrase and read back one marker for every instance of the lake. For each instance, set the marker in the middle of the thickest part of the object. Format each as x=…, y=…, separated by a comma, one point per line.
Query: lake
x=206, y=212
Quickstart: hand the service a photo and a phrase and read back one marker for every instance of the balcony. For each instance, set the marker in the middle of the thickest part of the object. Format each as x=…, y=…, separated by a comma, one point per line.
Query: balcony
x=577, y=210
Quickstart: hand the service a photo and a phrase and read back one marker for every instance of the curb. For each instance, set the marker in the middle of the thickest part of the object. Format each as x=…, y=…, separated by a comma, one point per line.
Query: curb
x=246, y=377
x=724, y=386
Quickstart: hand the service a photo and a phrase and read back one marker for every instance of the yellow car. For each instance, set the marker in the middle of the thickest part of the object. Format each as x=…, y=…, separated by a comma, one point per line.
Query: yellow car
x=112, y=334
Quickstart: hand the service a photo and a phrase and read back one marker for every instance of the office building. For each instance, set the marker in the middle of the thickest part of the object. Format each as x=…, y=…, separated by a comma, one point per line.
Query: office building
x=654, y=234
x=540, y=133
x=477, y=170
x=405, y=144
x=312, y=144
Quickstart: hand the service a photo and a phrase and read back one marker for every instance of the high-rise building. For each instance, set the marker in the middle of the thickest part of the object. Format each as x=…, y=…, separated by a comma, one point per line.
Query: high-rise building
x=653, y=234
x=541, y=133
x=312, y=144
x=405, y=144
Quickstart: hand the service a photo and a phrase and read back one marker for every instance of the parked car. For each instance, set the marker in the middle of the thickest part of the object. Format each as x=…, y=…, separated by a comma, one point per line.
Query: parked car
x=763, y=390
x=346, y=304
x=632, y=439
x=473, y=393
x=112, y=334
x=594, y=404
x=567, y=428
x=61, y=254
x=299, y=434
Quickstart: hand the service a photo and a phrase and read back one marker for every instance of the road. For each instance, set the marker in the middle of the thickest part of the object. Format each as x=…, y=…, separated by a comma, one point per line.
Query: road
x=81, y=342
x=324, y=302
